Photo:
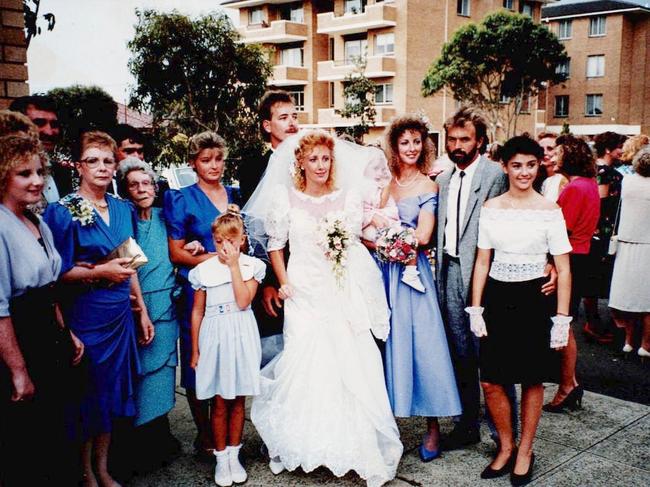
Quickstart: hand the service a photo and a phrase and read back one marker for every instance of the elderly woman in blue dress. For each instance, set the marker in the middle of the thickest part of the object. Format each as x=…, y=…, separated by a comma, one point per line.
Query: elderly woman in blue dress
x=33, y=364
x=189, y=213
x=87, y=226
x=155, y=390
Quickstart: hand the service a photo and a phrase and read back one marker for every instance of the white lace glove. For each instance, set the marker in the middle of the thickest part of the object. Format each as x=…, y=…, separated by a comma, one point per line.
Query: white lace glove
x=560, y=331
x=476, y=321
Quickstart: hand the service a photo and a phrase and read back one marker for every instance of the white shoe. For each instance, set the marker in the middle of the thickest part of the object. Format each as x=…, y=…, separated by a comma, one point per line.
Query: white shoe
x=627, y=348
x=411, y=277
x=237, y=472
x=222, y=475
x=276, y=465
x=643, y=353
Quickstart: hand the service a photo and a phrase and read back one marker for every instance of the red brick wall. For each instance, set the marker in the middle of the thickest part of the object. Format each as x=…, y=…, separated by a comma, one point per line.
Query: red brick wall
x=13, y=52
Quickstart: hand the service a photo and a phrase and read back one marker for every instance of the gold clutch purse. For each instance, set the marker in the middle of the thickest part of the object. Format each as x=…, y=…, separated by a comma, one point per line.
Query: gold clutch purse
x=130, y=249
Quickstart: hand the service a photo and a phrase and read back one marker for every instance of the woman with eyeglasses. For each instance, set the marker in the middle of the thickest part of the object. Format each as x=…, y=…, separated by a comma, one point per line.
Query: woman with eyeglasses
x=87, y=226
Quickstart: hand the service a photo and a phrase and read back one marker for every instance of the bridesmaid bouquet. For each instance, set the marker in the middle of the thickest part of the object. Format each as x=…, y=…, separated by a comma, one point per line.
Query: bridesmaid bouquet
x=396, y=244
x=333, y=239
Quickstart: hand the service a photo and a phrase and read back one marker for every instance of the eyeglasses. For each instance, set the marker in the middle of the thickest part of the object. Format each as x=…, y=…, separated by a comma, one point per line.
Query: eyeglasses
x=140, y=184
x=93, y=162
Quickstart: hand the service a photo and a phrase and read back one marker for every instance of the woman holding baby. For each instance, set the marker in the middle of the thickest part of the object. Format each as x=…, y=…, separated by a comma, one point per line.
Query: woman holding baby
x=419, y=374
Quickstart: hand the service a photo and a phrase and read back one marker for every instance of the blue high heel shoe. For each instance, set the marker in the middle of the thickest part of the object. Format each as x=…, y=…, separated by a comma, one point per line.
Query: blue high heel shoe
x=428, y=455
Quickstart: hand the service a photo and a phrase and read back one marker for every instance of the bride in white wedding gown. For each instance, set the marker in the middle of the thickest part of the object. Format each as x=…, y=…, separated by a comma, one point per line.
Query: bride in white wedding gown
x=323, y=399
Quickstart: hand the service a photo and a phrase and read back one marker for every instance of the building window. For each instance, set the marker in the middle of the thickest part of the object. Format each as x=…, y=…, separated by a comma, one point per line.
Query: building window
x=292, y=12
x=292, y=56
x=526, y=8
x=597, y=26
x=256, y=16
x=564, y=68
x=595, y=66
x=384, y=94
x=504, y=99
x=298, y=95
x=564, y=29
x=463, y=7
x=384, y=44
x=562, y=106
x=594, y=105
x=331, y=49
x=509, y=4
x=355, y=6
x=355, y=49
x=525, y=104
x=331, y=94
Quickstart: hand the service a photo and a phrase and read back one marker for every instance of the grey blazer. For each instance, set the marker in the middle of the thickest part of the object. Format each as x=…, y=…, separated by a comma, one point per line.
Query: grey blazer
x=488, y=181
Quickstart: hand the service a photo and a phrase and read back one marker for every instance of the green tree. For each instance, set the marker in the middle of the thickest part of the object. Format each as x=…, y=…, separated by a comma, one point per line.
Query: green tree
x=82, y=108
x=31, y=9
x=193, y=75
x=496, y=66
x=359, y=95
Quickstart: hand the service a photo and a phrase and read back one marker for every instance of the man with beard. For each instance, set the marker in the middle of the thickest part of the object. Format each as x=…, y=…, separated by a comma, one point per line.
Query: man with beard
x=463, y=190
x=43, y=112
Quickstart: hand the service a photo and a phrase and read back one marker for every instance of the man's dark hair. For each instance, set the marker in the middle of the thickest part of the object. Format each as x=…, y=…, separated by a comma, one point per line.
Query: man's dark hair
x=124, y=131
x=40, y=102
x=269, y=99
x=608, y=141
x=467, y=115
x=520, y=144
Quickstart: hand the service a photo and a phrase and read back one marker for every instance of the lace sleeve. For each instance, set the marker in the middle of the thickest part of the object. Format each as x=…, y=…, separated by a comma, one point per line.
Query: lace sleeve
x=484, y=241
x=277, y=220
x=354, y=212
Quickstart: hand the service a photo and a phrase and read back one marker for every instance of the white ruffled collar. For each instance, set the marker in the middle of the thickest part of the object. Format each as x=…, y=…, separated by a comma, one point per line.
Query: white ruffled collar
x=316, y=199
x=214, y=273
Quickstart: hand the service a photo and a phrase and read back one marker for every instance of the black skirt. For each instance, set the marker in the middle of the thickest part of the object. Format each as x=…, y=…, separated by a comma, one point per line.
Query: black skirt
x=517, y=349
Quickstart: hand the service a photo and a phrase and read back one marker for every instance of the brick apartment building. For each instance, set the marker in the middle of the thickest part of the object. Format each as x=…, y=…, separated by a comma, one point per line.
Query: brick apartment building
x=608, y=42
x=312, y=44
x=13, y=52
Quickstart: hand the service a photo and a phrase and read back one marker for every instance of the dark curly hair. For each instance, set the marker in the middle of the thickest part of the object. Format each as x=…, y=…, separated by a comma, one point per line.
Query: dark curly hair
x=396, y=129
x=576, y=157
x=608, y=141
x=520, y=144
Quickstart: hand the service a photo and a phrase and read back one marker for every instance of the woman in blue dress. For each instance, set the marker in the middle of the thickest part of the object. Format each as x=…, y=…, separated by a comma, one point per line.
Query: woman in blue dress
x=87, y=226
x=419, y=374
x=155, y=390
x=189, y=213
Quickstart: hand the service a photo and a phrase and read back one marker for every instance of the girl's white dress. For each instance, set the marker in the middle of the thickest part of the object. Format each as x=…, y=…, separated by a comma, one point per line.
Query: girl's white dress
x=323, y=399
x=229, y=342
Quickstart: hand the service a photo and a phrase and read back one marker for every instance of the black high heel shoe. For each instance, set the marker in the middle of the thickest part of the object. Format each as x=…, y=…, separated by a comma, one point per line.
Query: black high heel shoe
x=572, y=401
x=493, y=473
x=523, y=479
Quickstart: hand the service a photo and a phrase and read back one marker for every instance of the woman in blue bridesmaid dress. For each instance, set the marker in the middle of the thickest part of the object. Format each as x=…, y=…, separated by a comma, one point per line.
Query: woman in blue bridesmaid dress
x=419, y=374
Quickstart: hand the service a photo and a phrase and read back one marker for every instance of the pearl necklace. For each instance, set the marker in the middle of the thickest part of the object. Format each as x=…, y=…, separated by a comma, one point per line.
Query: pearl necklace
x=406, y=185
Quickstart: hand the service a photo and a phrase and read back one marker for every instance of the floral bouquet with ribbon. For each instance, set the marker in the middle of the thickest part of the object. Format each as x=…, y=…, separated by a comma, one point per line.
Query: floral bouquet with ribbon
x=396, y=244
x=333, y=239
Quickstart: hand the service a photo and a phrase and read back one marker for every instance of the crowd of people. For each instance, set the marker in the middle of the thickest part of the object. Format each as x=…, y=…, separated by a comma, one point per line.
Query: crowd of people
x=275, y=289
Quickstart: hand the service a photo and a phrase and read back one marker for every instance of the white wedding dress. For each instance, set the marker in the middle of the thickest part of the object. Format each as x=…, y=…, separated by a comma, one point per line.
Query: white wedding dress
x=323, y=399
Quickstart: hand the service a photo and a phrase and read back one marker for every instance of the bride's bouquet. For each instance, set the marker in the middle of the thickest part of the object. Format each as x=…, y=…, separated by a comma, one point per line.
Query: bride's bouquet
x=333, y=239
x=396, y=244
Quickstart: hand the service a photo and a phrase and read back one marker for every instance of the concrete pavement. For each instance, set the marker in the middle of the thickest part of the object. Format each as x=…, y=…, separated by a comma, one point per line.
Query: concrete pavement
x=607, y=443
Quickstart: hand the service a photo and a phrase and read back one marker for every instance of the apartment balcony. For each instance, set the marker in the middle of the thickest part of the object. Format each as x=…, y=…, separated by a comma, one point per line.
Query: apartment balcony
x=251, y=3
x=288, y=76
x=376, y=67
x=375, y=16
x=327, y=117
x=278, y=32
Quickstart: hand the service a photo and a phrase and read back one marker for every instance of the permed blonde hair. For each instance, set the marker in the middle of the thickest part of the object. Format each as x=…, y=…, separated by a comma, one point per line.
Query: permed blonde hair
x=229, y=223
x=305, y=147
x=205, y=140
x=16, y=149
x=396, y=129
x=632, y=145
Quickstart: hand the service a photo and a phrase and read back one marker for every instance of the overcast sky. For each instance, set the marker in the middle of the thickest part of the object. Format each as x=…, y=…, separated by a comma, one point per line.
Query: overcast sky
x=88, y=43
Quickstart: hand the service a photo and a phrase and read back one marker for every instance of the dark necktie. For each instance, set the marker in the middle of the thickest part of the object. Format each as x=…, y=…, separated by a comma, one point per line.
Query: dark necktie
x=460, y=190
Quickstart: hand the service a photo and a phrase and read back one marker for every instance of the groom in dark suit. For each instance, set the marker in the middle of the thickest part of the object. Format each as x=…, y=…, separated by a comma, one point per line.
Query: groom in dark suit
x=278, y=120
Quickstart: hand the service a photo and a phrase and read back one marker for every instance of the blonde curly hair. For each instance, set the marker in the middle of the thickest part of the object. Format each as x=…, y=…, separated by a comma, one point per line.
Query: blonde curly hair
x=632, y=145
x=306, y=145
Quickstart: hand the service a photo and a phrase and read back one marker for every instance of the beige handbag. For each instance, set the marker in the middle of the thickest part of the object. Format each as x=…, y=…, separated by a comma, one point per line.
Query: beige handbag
x=129, y=248
x=613, y=241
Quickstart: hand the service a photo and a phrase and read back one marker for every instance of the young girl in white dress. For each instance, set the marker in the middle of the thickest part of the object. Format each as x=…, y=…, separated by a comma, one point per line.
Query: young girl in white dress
x=226, y=351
